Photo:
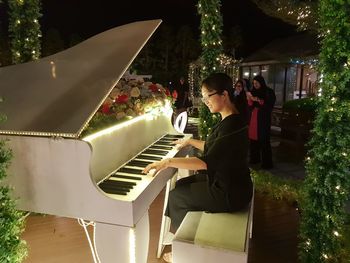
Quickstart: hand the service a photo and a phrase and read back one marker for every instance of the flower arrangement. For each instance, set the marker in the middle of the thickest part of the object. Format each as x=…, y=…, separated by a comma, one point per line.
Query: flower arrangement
x=128, y=99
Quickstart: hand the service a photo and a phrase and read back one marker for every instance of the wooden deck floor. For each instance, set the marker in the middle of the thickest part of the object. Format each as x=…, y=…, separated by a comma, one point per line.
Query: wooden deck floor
x=54, y=239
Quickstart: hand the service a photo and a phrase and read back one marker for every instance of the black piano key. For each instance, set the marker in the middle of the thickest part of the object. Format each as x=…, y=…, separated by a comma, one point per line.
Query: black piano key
x=165, y=143
x=114, y=191
x=155, y=152
x=127, y=183
x=118, y=183
x=116, y=175
x=110, y=188
x=138, y=163
x=169, y=142
x=160, y=147
x=153, y=158
x=130, y=171
x=177, y=136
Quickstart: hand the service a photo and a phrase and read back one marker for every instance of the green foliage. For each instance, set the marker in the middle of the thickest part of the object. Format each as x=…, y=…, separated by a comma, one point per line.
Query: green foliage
x=12, y=248
x=211, y=29
x=24, y=30
x=327, y=186
x=276, y=187
x=207, y=121
x=306, y=104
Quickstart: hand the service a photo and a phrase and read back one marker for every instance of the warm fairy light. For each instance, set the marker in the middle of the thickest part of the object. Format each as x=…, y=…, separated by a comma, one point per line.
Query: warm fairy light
x=132, y=246
x=115, y=127
x=53, y=69
x=336, y=233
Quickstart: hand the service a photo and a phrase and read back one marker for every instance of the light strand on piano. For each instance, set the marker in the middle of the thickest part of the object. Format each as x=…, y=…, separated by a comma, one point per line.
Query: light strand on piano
x=91, y=244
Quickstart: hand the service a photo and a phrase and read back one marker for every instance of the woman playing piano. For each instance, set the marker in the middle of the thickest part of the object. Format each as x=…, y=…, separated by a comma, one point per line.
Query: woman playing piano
x=223, y=182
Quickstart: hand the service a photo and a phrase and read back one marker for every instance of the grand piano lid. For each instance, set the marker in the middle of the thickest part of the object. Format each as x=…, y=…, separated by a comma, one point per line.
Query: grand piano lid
x=59, y=94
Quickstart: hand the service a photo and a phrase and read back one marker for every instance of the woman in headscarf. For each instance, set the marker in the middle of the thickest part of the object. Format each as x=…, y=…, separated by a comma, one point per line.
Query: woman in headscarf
x=261, y=101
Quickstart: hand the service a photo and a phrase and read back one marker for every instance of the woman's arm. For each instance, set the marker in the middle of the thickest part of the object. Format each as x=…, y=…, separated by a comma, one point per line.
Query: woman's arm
x=193, y=142
x=190, y=163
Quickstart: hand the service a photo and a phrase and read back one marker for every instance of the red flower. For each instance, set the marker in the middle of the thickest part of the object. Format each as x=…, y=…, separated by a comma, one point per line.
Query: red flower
x=167, y=92
x=106, y=108
x=153, y=87
x=122, y=99
x=174, y=94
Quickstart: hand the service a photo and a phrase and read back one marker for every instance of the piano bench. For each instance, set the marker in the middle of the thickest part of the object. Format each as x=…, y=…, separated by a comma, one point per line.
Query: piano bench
x=211, y=238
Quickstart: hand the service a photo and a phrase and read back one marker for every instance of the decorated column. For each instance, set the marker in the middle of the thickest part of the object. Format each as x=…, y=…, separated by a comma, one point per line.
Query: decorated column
x=327, y=185
x=211, y=30
x=24, y=30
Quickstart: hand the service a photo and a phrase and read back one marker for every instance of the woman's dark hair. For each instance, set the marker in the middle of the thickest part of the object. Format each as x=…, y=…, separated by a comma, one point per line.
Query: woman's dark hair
x=241, y=101
x=240, y=81
x=220, y=82
x=261, y=80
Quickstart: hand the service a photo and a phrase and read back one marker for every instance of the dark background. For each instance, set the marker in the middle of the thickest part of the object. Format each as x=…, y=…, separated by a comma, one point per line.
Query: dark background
x=67, y=22
x=87, y=18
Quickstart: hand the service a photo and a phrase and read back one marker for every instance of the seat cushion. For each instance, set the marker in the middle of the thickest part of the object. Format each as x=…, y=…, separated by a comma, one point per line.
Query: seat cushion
x=223, y=230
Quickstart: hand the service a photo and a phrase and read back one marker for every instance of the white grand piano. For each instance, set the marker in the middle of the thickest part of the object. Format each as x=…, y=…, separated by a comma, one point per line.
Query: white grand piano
x=48, y=103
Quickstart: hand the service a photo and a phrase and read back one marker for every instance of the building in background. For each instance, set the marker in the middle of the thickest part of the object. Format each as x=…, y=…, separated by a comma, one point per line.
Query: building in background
x=288, y=66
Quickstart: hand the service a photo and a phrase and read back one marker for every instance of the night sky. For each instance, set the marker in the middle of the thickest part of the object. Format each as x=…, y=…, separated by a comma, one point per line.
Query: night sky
x=87, y=18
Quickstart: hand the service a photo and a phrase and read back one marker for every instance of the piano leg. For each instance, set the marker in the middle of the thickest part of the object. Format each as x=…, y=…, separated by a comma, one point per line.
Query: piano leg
x=165, y=235
x=116, y=243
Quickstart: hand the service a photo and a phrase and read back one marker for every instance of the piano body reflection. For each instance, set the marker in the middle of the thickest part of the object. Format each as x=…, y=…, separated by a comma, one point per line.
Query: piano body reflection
x=48, y=103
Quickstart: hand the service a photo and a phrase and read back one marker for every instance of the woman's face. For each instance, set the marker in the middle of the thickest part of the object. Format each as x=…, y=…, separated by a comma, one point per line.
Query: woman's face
x=212, y=99
x=256, y=84
x=238, y=87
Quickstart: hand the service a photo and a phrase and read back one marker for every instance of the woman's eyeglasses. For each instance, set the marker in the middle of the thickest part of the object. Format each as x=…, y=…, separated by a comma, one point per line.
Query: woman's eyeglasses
x=206, y=99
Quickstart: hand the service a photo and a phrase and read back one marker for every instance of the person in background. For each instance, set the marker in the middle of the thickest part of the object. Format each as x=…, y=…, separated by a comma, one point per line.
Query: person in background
x=241, y=99
x=223, y=182
x=261, y=101
x=182, y=100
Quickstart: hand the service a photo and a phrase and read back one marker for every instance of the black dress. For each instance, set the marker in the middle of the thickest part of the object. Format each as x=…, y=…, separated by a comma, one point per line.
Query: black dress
x=226, y=185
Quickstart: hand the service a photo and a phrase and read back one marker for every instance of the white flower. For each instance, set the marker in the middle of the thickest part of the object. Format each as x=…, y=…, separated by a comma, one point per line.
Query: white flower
x=135, y=92
x=120, y=115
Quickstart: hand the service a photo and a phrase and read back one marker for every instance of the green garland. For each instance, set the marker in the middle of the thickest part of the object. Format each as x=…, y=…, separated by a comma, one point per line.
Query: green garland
x=211, y=29
x=327, y=186
x=24, y=30
x=12, y=248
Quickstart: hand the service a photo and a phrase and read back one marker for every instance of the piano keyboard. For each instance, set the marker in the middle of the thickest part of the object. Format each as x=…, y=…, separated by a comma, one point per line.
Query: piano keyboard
x=129, y=177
